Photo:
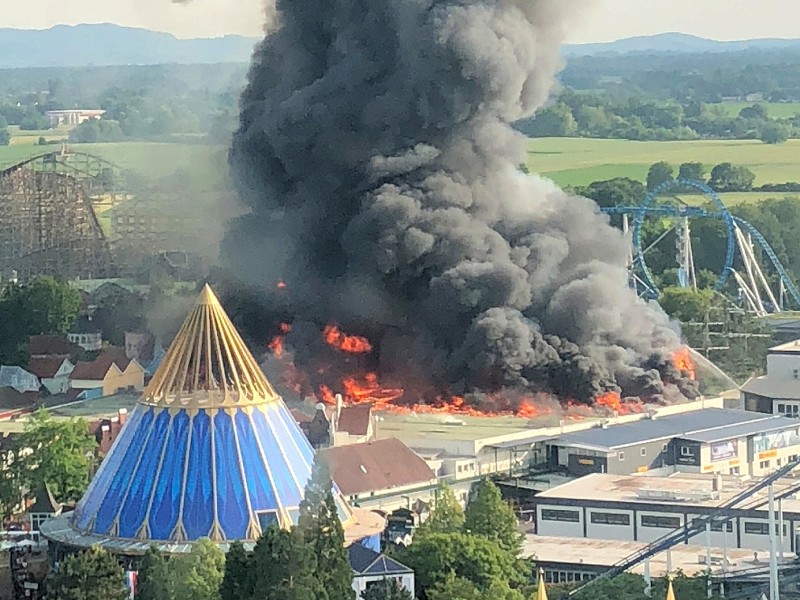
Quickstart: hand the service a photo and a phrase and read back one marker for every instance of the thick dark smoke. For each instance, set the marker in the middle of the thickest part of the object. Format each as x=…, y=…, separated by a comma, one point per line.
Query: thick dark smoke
x=376, y=153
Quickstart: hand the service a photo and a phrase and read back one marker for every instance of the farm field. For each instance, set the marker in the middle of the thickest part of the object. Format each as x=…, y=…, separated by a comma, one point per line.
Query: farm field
x=153, y=161
x=580, y=161
x=776, y=110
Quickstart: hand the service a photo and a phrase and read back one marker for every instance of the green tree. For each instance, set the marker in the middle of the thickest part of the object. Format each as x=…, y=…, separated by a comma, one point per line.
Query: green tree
x=93, y=574
x=283, y=567
x=693, y=171
x=726, y=177
x=555, y=121
x=10, y=480
x=435, y=557
x=237, y=582
x=43, y=306
x=60, y=455
x=456, y=588
x=658, y=174
x=386, y=589
x=686, y=304
x=756, y=111
x=5, y=136
x=490, y=516
x=447, y=515
x=199, y=574
x=774, y=133
x=322, y=532
x=620, y=191
x=153, y=580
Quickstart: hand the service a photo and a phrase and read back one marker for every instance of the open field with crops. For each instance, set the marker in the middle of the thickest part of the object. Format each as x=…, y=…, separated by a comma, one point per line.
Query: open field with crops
x=776, y=110
x=579, y=161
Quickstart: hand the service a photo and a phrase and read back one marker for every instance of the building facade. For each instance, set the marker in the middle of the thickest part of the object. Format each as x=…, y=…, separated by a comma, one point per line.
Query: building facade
x=777, y=392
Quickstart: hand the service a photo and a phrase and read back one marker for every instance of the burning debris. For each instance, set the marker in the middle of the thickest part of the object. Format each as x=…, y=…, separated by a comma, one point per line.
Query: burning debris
x=376, y=153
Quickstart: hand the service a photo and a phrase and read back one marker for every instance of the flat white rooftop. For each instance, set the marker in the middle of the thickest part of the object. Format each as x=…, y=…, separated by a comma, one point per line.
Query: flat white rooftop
x=687, y=489
x=793, y=347
x=603, y=553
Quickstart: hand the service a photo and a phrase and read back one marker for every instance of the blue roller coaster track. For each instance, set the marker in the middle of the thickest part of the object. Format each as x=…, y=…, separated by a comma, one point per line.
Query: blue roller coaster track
x=719, y=212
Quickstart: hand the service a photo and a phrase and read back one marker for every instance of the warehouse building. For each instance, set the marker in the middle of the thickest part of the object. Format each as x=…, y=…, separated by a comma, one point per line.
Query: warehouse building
x=635, y=508
x=711, y=440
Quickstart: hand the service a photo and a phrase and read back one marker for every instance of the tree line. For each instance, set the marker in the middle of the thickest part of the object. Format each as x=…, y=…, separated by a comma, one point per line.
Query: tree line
x=595, y=115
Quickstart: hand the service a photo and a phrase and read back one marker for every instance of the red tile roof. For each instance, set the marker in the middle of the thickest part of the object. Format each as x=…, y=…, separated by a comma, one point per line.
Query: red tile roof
x=98, y=368
x=355, y=419
x=45, y=367
x=49, y=345
x=375, y=466
x=300, y=417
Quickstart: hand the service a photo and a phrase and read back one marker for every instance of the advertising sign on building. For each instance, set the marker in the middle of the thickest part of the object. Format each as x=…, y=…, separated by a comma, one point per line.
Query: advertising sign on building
x=767, y=442
x=724, y=450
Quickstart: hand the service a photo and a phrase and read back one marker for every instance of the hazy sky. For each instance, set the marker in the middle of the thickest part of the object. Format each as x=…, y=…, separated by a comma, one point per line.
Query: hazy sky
x=604, y=19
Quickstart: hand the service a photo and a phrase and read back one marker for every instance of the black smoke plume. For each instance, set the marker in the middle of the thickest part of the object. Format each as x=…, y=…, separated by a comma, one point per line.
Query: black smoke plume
x=377, y=157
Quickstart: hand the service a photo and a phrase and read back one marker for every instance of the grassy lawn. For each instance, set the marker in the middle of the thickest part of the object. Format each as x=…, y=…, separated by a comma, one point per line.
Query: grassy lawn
x=575, y=161
x=776, y=110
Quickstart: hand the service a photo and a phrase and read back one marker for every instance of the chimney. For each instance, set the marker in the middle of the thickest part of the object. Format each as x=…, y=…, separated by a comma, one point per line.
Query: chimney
x=123, y=416
x=716, y=483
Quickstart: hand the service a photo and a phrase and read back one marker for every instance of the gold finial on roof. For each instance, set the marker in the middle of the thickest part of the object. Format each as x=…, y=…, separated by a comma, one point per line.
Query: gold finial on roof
x=670, y=589
x=208, y=364
x=541, y=590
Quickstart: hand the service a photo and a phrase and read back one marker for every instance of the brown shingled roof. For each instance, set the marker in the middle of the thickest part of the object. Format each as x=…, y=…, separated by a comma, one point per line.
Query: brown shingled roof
x=98, y=368
x=355, y=419
x=375, y=466
x=45, y=367
x=49, y=345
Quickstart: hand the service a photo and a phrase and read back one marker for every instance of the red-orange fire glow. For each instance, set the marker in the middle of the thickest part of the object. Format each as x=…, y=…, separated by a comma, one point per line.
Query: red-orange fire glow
x=276, y=343
x=610, y=400
x=281, y=285
x=354, y=344
x=683, y=362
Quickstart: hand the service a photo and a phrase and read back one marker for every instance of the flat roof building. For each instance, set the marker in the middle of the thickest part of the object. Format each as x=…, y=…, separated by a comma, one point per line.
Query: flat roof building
x=777, y=392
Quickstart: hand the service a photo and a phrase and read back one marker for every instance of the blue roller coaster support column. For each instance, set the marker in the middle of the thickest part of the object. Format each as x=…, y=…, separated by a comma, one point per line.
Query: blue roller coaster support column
x=647, y=207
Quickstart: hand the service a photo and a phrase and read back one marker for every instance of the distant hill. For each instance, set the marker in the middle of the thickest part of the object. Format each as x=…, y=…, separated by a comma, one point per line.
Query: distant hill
x=675, y=43
x=106, y=45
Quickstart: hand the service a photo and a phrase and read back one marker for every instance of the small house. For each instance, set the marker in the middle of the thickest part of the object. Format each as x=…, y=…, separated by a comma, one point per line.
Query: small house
x=52, y=371
x=110, y=373
x=370, y=567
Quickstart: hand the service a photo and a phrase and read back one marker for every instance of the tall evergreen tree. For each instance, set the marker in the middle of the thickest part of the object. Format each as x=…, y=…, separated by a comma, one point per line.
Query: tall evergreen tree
x=323, y=533
x=283, y=567
x=198, y=575
x=490, y=516
x=237, y=583
x=93, y=574
x=153, y=579
x=447, y=515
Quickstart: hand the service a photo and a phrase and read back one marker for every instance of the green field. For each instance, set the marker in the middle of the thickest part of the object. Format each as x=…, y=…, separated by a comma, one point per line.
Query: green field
x=578, y=161
x=775, y=110
x=207, y=164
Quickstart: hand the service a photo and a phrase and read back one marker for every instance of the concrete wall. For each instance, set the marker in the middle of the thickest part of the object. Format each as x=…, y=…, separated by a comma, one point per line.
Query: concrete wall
x=783, y=366
x=605, y=524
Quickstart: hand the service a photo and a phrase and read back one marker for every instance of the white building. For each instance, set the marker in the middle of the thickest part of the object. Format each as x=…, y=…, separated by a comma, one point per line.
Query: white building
x=72, y=117
x=631, y=508
x=777, y=392
x=370, y=567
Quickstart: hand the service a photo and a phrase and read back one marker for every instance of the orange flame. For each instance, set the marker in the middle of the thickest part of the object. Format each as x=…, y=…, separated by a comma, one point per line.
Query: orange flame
x=683, y=362
x=610, y=400
x=276, y=343
x=354, y=344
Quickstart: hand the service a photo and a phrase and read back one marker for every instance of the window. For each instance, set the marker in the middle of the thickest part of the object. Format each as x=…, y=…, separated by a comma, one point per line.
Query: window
x=735, y=471
x=687, y=451
x=796, y=373
x=661, y=522
x=664, y=447
x=764, y=464
x=717, y=526
x=643, y=451
x=569, y=516
x=621, y=456
x=760, y=528
x=599, y=518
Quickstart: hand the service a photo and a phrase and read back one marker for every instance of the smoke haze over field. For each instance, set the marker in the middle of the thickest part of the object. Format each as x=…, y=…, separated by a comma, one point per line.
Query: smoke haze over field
x=376, y=154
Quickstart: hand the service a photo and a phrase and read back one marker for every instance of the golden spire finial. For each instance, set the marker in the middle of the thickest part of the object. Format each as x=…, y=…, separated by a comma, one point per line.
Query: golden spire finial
x=670, y=590
x=541, y=590
x=208, y=364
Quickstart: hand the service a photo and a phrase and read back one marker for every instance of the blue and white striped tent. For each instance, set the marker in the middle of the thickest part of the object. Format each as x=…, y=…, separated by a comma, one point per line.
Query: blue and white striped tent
x=210, y=451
